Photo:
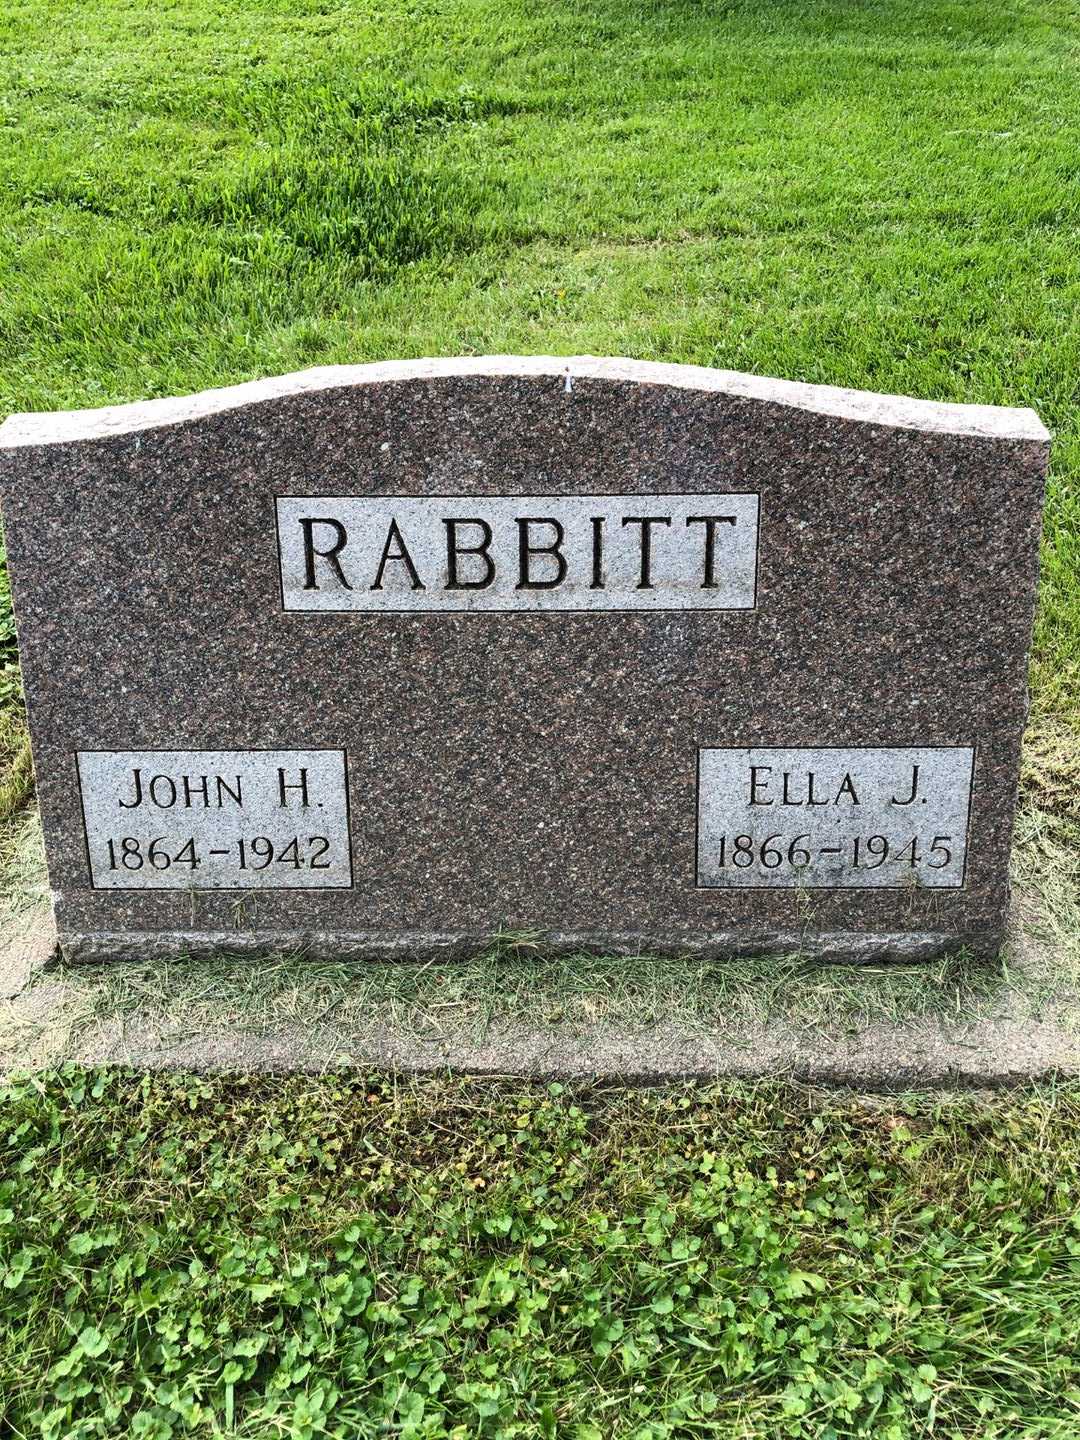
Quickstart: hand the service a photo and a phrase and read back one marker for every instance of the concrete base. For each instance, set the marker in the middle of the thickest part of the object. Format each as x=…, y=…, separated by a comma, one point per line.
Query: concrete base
x=1026, y=1027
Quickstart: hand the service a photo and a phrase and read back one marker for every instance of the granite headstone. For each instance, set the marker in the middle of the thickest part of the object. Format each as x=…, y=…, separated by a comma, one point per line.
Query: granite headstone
x=386, y=660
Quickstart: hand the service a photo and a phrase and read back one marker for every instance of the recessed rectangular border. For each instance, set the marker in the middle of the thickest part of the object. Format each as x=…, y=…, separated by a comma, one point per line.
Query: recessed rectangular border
x=886, y=889
x=194, y=889
x=532, y=613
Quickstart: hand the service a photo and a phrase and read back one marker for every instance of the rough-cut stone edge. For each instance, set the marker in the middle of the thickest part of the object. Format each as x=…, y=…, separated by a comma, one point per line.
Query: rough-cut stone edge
x=842, y=945
x=985, y=421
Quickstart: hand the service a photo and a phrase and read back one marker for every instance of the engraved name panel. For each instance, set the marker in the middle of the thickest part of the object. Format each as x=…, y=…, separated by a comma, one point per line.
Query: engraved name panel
x=834, y=818
x=518, y=552
x=216, y=819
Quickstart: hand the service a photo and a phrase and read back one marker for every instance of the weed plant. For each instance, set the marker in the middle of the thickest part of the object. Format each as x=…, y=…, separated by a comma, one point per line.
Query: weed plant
x=356, y=1257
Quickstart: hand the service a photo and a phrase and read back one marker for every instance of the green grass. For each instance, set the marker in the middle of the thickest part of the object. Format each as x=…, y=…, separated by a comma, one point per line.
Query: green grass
x=874, y=193
x=512, y=986
x=355, y=1257
x=879, y=194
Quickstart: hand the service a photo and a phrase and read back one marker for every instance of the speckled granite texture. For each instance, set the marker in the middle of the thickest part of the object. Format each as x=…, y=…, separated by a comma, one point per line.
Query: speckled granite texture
x=526, y=771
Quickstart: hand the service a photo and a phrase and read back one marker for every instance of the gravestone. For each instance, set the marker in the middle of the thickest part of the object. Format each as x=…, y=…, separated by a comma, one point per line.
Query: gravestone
x=386, y=660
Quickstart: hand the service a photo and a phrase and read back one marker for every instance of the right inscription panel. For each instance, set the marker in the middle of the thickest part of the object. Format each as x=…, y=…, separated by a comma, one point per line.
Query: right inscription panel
x=828, y=817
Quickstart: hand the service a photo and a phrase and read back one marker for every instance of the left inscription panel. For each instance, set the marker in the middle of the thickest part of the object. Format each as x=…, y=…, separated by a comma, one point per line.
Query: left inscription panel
x=216, y=819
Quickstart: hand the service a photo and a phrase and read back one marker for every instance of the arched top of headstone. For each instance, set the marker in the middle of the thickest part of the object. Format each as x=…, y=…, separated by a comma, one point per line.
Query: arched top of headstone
x=564, y=374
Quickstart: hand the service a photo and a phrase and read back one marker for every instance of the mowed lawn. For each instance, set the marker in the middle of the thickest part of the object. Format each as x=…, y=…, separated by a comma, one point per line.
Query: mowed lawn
x=881, y=195
x=875, y=193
